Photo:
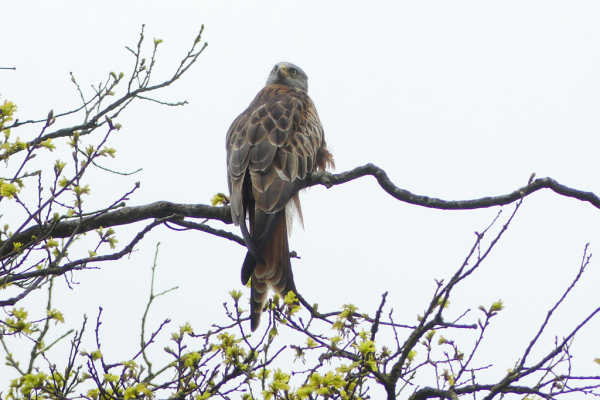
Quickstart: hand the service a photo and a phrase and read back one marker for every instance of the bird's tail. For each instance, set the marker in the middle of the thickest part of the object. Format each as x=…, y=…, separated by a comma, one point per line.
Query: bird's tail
x=275, y=273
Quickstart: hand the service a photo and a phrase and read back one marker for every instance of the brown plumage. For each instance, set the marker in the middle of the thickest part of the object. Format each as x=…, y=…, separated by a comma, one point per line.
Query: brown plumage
x=271, y=147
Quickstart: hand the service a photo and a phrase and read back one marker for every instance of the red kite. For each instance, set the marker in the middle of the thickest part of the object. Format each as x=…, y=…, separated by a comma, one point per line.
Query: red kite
x=271, y=147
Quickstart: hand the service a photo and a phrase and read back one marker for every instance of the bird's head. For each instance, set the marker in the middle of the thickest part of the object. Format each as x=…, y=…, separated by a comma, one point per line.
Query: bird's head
x=288, y=74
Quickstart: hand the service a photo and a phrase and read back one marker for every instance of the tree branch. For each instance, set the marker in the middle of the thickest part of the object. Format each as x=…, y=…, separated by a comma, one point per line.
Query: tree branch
x=162, y=209
x=329, y=180
x=82, y=263
x=124, y=216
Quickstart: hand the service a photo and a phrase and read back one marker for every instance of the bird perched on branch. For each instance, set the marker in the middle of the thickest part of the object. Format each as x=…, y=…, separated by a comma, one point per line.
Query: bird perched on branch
x=271, y=147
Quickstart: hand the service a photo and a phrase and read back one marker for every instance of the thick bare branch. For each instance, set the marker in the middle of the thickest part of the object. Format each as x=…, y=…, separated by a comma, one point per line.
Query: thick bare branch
x=124, y=216
x=329, y=180
x=161, y=209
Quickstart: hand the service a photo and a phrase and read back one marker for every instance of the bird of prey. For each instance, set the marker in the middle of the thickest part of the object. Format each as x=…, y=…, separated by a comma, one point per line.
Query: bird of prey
x=271, y=147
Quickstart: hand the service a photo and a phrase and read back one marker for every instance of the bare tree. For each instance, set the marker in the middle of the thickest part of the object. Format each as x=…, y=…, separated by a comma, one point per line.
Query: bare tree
x=340, y=357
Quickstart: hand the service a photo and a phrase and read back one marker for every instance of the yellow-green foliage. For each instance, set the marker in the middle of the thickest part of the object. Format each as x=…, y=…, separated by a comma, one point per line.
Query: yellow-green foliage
x=324, y=385
x=219, y=199
x=55, y=315
x=17, y=322
x=347, y=318
x=7, y=110
x=279, y=383
x=495, y=308
x=138, y=391
x=233, y=353
x=26, y=384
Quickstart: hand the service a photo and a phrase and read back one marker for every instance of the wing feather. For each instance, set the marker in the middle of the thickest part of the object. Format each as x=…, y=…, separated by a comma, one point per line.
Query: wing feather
x=261, y=156
x=256, y=133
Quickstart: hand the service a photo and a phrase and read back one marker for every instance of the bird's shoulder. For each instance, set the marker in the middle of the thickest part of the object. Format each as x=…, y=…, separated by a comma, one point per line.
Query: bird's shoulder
x=278, y=93
x=275, y=106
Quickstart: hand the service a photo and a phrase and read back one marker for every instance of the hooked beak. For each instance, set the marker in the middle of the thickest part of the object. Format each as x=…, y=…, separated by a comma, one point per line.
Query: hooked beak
x=282, y=72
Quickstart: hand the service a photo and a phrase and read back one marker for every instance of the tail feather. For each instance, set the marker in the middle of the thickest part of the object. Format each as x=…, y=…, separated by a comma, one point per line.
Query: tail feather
x=262, y=230
x=275, y=273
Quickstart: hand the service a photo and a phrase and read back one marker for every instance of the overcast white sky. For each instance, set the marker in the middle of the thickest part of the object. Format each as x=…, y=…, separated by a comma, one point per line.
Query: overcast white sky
x=456, y=100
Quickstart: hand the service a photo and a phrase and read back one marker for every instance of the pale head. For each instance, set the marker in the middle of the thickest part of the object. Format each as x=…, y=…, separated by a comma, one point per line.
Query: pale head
x=288, y=74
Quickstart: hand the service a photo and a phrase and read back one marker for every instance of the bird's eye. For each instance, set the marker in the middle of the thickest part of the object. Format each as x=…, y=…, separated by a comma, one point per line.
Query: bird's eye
x=293, y=71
